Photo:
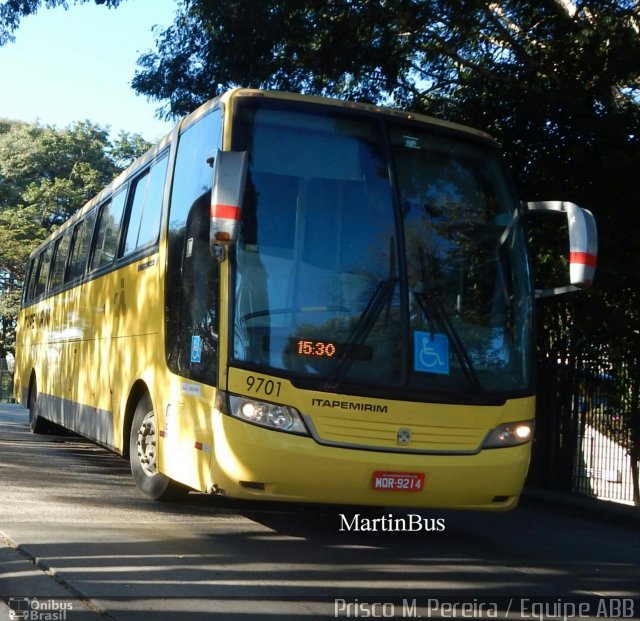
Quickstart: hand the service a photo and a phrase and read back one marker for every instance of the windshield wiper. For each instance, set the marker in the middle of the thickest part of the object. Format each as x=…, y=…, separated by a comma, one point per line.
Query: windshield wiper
x=363, y=326
x=431, y=304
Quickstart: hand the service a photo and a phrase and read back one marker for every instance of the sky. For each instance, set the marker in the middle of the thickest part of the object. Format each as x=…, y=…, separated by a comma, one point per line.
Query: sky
x=74, y=65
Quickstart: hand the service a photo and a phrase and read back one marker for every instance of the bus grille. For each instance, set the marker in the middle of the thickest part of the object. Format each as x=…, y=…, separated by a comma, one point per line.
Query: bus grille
x=393, y=436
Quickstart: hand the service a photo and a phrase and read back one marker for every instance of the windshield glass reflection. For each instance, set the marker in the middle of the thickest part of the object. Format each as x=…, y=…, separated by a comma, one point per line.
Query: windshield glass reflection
x=345, y=278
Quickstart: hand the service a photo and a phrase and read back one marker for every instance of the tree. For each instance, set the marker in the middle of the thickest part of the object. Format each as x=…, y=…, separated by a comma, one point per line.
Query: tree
x=12, y=11
x=46, y=175
x=411, y=53
x=556, y=82
x=126, y=148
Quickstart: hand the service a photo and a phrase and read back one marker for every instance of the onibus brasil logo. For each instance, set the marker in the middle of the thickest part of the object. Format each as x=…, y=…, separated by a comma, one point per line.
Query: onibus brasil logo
x=33, y=609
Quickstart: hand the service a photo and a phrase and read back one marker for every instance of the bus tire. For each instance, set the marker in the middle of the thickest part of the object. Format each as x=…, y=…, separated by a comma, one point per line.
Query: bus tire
x=37, y=424
x=143, y=444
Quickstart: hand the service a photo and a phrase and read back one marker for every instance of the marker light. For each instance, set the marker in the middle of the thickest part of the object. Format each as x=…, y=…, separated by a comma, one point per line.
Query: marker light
x=223, y=237
x=509, y=434
x=270, y=415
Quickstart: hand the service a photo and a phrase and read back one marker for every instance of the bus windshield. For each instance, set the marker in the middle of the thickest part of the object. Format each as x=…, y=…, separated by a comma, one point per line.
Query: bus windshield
x=379, y=256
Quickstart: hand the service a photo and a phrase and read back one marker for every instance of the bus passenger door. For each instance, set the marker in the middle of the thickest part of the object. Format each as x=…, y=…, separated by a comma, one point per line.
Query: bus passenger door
x=192, y=342
x=191, y=303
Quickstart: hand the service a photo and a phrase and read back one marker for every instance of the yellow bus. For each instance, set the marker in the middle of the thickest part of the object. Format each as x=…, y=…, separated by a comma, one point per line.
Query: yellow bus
x=298, y=299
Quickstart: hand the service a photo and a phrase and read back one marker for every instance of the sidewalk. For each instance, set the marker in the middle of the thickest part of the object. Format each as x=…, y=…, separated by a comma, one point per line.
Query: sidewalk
x=568, y=502
x=24, y=585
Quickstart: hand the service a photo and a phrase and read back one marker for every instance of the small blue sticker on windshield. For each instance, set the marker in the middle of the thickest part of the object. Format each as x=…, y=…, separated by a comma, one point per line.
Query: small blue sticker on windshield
x=196, y=349
x=430, y=353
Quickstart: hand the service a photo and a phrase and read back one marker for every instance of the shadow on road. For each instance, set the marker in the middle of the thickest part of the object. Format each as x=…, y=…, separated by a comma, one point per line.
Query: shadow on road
x=211, y=557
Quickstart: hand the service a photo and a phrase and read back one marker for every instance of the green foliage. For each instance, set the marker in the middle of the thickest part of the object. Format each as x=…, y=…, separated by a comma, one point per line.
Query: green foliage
x=22, y=231
x=46, y=175
x=9, y=307
x=556, y=82
x=12, y=11
x=126, y=148
x=349, y=48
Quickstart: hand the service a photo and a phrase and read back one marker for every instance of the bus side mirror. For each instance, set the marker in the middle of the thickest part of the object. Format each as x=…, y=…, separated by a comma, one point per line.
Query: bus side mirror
x=229, y=180
x=583, y=245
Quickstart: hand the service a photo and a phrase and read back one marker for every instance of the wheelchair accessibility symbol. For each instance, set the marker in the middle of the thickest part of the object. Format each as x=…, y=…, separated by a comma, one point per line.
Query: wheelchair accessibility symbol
x=196, y=349
x=430, y=353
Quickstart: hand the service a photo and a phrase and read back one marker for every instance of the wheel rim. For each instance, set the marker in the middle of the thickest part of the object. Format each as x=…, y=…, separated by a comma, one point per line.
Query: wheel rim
x=146, y=444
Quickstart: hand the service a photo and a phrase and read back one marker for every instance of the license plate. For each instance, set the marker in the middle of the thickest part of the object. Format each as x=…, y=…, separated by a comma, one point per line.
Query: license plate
x=397, y=481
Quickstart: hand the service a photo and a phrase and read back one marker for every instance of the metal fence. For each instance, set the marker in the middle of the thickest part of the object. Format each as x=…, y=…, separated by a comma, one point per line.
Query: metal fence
x=6, y=379
x=588, y=427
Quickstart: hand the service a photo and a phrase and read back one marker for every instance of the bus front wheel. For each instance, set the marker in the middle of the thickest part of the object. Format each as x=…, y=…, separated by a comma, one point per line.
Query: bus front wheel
x=143, y=453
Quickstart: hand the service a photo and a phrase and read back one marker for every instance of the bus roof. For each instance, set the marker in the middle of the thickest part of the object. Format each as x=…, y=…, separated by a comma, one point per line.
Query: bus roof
x=336, y=103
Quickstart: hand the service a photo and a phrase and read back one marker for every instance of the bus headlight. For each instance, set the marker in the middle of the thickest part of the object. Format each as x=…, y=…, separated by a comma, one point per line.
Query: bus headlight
x=509, y=434
x=270, y=415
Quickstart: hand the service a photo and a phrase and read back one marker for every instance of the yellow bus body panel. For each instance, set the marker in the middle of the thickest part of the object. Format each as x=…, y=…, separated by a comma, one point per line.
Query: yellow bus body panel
x=186, y=431
x=87, y=347
x=295, y=468
x=353, y=443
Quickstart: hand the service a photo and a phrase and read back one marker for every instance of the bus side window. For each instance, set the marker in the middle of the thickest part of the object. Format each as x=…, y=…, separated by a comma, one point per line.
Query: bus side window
x=30, y=275
x=108, y=229
x=80, y=247
x=43, y=272
x=59, y=261
x=143, y=226
x=33, y=278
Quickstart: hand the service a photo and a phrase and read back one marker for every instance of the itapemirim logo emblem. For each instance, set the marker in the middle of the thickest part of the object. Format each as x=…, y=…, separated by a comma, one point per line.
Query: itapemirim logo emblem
x=403, y=436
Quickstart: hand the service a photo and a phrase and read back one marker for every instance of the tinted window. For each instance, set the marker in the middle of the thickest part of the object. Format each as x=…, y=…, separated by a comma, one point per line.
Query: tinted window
x=192, y=275
x=152, y=212
x=32, y=278
x=108, y=230
x=324, y=290
x=27, y=281
x=146, y=207
x=43, y=272
x=80, y=247
x=60, y=260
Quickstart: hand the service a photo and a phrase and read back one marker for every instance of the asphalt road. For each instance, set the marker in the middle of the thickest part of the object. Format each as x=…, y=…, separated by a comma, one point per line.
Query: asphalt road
x=77, y=539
